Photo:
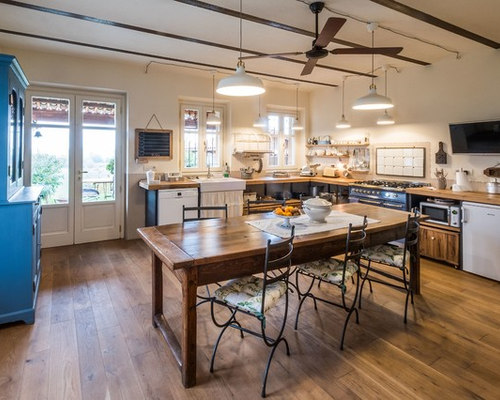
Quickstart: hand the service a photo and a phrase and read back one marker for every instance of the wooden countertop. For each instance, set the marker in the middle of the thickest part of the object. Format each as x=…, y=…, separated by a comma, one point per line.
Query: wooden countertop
x=186, y=183
x=477, y=197
x=298, y=179
x=168, y=185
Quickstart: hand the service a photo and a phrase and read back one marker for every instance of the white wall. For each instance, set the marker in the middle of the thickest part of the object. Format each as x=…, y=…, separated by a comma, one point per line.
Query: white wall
x=426, y=100
x=157, y=92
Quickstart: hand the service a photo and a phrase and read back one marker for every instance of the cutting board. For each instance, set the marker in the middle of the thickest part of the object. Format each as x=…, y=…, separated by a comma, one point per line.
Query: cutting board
x=441, y=156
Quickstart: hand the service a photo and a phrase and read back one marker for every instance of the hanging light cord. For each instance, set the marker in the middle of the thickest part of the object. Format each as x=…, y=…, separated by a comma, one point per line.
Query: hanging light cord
x=241, y=32
x=373, y=58
x=213, y=93
x=297, y=104
x=259, y=106
x=343, y=88
x=385, y=79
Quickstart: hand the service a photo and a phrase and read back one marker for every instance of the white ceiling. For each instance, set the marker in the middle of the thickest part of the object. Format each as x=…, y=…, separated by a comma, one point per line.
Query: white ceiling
x=173, y=17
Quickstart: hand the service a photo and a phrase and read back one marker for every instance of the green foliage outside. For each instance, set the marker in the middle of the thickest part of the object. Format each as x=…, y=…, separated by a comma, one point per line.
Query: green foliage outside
x=47, y=171
x=110, y=166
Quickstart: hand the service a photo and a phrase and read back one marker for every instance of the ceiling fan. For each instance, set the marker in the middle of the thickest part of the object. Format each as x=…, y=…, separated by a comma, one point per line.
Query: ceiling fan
x=323, y=39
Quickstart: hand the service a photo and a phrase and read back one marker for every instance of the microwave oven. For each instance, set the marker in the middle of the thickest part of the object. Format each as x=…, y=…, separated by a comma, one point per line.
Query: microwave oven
x=443, y=214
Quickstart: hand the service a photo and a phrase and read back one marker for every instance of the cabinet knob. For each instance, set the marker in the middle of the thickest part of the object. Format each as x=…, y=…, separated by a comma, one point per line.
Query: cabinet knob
x=433, y=238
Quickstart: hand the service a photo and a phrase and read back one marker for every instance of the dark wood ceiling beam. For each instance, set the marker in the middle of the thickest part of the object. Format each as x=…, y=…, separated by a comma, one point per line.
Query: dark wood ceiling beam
x=162, y=34
x=421, y=16
x=148, y=55
x=289, y=28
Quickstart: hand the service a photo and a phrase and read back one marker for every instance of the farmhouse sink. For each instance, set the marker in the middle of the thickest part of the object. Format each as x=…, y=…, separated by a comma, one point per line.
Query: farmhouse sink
x=219, y=184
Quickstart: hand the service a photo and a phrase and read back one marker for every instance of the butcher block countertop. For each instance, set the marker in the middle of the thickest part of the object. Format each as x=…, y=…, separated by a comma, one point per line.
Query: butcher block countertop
x=476, y=197
x=168, y=185
x=187, y=183
x=298, y=179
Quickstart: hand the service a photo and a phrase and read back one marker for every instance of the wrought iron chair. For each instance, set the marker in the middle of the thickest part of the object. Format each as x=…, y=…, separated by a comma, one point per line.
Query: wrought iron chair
x=199, y=217
x=338, y=273
x=251, y=209
x=254, y=296
x=395, y=256
x=200, y=212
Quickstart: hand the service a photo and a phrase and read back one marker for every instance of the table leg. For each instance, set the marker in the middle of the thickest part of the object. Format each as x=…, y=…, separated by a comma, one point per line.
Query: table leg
x=157, y=289
x=189, y=286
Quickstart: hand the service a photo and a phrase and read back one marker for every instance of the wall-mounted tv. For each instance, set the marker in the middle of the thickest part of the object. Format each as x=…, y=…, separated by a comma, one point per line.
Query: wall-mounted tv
x=475, y=137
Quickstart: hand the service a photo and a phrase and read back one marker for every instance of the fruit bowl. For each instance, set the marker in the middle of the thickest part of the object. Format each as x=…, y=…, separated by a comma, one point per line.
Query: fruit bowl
x=286, y=220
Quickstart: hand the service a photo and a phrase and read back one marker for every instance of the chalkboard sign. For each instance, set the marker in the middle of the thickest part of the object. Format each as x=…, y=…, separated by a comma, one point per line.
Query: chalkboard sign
x=153, y=144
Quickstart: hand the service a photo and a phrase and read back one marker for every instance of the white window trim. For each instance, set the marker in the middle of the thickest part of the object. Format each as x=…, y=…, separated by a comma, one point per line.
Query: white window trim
x=203, y=106
x=299, y=140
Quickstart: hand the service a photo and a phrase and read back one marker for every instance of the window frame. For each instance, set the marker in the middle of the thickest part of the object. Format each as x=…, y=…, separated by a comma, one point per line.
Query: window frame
x=203, y=108
x=296, y=134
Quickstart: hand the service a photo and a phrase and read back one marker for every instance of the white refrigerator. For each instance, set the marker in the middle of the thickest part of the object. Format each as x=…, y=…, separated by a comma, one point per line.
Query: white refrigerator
x=481, y=239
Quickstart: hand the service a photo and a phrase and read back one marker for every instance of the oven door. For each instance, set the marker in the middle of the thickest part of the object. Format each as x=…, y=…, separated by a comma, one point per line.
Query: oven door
x=395, y=206
x=372, y=202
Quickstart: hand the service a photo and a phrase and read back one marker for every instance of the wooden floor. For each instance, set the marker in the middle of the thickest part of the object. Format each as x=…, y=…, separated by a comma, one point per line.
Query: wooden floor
x=93, y=339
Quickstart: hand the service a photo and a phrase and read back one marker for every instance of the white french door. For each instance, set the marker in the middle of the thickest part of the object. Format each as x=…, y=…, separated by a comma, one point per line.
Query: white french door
x=76, y=153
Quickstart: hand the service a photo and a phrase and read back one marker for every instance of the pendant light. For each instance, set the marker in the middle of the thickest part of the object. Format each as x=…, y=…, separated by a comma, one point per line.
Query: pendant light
x=260, y=122
x=212, y=118
x=343, y=123
x=240, y=84
x=296, y=124
x=372, y=101
x=385, y=119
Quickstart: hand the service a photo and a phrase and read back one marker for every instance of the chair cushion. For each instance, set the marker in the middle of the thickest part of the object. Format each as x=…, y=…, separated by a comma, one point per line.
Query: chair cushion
x=246, y=294
x=329, y=269
x=388, y=254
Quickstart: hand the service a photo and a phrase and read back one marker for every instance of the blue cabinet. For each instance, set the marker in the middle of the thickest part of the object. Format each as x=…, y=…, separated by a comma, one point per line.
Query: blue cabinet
x=19, y=205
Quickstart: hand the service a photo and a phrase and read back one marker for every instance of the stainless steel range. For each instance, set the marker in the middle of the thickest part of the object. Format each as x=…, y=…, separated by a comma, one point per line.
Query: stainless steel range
x=389, y=194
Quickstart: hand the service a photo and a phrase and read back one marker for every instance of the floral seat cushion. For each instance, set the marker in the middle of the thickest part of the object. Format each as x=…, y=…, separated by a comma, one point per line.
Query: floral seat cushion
x=388, y=254
x=246, y=294
x=329, y=269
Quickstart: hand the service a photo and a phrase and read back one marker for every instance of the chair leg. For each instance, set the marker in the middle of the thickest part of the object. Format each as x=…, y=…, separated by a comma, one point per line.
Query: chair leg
x=406, y=306
x=364, y=278
x=345, y=326
x=268, y=365
x=225, y=326
x=302, y=297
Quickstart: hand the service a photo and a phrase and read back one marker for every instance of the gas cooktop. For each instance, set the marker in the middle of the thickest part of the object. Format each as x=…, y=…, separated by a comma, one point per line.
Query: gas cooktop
x=390, y=185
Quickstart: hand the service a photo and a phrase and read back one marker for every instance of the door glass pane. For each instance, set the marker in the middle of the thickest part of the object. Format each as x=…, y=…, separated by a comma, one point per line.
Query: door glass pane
x=49, y=110
x=99, y=114
x=98, y=165
x=12, y=135
x=50, y=163
x=98, y=151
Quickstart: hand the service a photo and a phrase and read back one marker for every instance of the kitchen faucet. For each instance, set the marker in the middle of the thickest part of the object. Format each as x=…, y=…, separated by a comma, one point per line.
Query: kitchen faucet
x=209, y=174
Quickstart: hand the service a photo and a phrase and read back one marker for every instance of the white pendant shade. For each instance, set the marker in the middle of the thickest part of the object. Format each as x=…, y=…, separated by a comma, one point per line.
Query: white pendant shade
x=213, y=119
x=296, y=126
x=343, y=123
x=260, y=122
x=385, y=119
x=373, y=101
x=240, y=84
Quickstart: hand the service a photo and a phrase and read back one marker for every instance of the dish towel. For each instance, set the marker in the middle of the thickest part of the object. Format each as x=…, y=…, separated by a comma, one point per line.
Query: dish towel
x=304, y=226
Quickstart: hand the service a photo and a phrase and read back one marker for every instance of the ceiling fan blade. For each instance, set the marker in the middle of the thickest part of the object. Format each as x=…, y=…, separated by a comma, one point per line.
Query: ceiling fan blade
x=369, y=50
x=329, y=31
x=309, y=66
x=290, y=53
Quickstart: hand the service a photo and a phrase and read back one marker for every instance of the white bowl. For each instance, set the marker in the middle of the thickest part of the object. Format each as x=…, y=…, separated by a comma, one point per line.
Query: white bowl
x=317, y=209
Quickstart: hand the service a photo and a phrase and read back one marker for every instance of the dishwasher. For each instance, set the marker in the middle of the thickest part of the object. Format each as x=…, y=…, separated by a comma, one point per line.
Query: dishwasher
x=170, y=202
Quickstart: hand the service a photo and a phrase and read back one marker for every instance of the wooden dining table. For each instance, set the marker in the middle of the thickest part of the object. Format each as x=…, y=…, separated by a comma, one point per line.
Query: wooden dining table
x=208, y=251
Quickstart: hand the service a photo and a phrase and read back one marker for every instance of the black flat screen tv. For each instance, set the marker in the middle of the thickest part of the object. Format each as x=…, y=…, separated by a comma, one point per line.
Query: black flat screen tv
x=475, y=137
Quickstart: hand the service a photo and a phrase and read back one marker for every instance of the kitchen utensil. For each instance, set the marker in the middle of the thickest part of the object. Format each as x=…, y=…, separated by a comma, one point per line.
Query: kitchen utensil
x=441, y=156
x=246, y=173
x=493, y=187
x=330, y=172
x=441, y=176
x=317, y=209
x=493, y=172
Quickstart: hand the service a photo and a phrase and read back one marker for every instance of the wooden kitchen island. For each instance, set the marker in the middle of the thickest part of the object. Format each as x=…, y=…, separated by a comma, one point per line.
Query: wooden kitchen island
x=203, y=252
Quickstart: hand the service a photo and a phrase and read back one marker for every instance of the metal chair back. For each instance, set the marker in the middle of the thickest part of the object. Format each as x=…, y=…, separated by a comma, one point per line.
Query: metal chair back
x=199, y=211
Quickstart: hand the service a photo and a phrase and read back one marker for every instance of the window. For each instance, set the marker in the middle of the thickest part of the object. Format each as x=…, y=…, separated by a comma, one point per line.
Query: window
x=202, y=144
x=283, y=140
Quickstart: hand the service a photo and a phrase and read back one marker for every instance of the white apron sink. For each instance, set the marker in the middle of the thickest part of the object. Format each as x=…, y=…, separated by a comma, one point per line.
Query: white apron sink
x=219, y=184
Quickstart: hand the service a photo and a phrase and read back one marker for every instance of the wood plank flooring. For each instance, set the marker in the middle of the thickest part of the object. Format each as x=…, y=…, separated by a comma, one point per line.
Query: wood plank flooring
x=93, y=339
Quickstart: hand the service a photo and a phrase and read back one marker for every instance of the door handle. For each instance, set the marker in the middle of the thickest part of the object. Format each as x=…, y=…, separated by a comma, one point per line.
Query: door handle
x=82, y=172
